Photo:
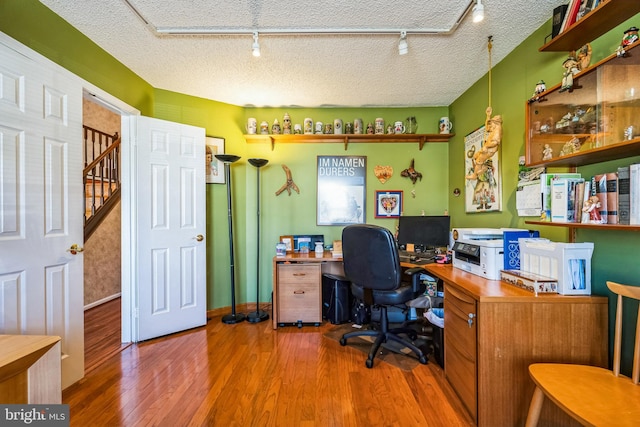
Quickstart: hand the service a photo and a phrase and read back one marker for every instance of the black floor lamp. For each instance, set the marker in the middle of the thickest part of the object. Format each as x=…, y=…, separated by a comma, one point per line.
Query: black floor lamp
x=233, y=317
x=258, y=315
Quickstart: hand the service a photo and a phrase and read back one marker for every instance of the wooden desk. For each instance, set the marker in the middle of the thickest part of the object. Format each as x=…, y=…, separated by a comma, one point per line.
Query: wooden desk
x=297, y=286
x=487, y=354
x=30, y=369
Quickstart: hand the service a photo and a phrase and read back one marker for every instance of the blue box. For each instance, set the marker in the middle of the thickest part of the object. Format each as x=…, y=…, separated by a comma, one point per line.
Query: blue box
x=512, y=247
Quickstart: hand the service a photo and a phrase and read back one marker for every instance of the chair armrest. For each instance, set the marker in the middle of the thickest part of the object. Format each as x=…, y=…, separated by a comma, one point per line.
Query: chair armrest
x=414, y=274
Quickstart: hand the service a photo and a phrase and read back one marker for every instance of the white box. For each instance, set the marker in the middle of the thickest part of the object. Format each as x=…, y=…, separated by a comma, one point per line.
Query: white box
x=568, y=263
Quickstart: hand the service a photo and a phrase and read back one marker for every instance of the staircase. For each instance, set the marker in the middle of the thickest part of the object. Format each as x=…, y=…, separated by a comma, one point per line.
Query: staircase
x=101, y=176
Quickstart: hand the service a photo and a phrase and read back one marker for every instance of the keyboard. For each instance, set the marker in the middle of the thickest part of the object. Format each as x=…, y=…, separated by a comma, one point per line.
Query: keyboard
x=419, y=258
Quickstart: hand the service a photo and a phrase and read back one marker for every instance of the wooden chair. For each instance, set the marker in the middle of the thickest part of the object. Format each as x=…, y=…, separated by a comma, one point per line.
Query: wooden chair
x=591, y=395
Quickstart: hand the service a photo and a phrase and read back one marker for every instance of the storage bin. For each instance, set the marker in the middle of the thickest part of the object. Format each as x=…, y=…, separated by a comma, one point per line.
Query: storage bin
x=568, y=263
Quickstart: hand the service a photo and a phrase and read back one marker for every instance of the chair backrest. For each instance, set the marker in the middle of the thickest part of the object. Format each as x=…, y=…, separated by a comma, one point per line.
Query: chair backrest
x=629, y=292
x=370, y=257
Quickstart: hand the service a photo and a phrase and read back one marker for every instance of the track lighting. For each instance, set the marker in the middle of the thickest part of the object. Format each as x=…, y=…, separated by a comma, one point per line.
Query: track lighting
x=478, y=11
x=255, y=49
x=403, y=47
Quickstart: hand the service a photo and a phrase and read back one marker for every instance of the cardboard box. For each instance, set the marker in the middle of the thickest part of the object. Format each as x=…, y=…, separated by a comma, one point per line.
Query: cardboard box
x=568, y=263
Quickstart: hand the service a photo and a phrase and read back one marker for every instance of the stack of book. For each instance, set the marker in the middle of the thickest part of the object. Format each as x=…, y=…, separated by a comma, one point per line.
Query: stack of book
x=565, y=16
x=564, y=196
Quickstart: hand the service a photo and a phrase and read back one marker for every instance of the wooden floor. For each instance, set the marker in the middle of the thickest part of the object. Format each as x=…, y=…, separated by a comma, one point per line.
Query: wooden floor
x=250, y=375
x=102, y=334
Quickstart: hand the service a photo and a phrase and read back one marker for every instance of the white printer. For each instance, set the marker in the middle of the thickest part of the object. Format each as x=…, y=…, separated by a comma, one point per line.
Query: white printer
x=480, y=250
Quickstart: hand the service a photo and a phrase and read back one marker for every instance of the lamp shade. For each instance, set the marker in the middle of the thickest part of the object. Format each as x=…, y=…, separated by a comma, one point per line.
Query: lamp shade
x=227, y=158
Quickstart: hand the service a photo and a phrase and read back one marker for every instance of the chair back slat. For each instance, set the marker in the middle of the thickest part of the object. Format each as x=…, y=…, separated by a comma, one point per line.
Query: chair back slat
x=632, y=292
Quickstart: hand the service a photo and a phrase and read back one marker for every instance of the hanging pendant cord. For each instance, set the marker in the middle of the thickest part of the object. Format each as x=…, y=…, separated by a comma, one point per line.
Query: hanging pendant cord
x=489, y=109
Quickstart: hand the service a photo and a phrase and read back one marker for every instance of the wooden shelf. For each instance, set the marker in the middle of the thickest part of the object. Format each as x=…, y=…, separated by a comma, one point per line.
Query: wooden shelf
x=345, y=139
x=585, y=225
x=595, y=155
x=594, y=24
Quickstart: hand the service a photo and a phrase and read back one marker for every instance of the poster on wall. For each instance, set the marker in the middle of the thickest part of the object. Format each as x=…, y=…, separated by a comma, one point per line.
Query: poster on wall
x=483, y=191
x=341, y=193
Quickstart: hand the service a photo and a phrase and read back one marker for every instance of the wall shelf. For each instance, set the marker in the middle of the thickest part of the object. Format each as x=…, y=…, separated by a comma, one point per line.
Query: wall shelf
x=345, y=139
x=594, y=24
x=585, y=225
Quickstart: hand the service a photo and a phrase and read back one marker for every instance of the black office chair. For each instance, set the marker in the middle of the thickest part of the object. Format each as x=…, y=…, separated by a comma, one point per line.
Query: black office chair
x=371, y=263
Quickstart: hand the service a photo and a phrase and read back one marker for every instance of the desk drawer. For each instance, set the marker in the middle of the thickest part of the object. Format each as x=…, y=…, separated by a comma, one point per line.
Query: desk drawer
x=299, y=293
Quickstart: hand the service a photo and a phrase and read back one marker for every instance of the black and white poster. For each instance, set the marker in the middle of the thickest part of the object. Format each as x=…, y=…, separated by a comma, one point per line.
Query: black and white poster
x=341, y=190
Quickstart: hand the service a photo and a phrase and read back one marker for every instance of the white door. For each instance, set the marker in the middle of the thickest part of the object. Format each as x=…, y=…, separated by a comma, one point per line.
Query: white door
x=41, y=203
x=170, y=228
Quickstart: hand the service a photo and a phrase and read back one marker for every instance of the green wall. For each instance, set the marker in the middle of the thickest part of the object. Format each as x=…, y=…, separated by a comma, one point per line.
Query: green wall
x=513, y=81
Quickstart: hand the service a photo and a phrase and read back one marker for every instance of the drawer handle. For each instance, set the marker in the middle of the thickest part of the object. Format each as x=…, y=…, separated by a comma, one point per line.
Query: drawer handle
x=298, y=292
x=299, y=274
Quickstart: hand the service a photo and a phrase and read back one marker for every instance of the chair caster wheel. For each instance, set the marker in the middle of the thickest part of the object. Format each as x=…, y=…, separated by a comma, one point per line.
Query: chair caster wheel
x=343, y=342
x=413, y=336
x=423, y=360
x=369, y=363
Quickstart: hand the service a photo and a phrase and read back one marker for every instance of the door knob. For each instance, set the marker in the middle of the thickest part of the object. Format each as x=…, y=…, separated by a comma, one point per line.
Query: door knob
x=74, y=249
x=199, y=237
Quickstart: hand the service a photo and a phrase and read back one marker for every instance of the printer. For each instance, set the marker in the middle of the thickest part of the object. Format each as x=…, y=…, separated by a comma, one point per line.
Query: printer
x=480, y=250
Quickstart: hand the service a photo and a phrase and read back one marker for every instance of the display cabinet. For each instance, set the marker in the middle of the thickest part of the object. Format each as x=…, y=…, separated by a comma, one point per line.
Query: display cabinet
x=595, y=121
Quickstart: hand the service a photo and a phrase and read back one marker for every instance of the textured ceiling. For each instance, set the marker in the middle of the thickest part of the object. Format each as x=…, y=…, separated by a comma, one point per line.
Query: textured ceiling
x=351, y=70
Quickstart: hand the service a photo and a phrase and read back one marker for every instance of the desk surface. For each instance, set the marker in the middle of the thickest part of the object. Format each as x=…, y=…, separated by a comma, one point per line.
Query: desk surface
x=310, y=257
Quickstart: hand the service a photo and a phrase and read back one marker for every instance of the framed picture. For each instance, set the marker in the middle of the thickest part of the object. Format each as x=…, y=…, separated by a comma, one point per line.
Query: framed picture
x=214, y=167
x=287, y=240
x=388, y=204
x=341, y=190
x=483, y=186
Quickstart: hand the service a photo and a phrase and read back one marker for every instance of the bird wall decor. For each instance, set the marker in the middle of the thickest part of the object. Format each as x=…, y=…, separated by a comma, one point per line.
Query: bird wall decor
x=411, y=173
x=289, y=184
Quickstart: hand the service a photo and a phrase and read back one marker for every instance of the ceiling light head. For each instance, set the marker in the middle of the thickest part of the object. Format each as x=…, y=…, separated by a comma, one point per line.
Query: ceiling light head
x=255, y=49
x=478, y=11
x=403, y=46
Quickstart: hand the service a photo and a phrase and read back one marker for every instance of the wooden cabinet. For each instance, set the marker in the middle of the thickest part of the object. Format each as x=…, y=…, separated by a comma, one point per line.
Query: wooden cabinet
x=299, y=293
x=598, y=120
x=493, y=331
x=461, y=344
x=297, y=287
x=345, y=139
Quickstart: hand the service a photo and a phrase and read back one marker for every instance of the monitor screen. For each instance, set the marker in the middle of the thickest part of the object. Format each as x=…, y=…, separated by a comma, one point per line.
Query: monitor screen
x=424, y=232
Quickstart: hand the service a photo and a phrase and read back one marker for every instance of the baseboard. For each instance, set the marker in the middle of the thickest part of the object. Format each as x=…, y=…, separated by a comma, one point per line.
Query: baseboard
x=102, y=301
x=240, y=308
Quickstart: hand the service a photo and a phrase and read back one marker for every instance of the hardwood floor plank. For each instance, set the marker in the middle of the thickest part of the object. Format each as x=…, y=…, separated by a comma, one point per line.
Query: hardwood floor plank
x=250, y=375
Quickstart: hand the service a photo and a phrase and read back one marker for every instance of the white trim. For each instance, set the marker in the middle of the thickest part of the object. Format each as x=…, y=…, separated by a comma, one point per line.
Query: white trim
x=102, y=301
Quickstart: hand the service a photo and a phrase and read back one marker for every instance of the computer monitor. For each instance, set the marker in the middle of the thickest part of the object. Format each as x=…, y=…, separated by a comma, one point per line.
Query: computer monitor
x=424, y=232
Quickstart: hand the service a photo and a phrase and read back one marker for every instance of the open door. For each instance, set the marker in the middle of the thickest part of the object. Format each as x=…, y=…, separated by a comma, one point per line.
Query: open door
x=169, y=225
x=41, y=203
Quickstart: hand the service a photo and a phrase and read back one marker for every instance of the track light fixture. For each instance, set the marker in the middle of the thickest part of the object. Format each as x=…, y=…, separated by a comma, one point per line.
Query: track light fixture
x=403, y=47
x=478, y=11
x=255, y=49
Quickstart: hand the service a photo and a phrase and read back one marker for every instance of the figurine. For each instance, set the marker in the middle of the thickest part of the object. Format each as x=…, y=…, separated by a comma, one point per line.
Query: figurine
x=491, y=141
x=630, y=37
x=592, y=207
x=275, y=129
x=547, y=153
x=571, y=146
x=540, y=87
x=584, y=56
x=369, y=129
x=286, y=124
x=570, y=69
